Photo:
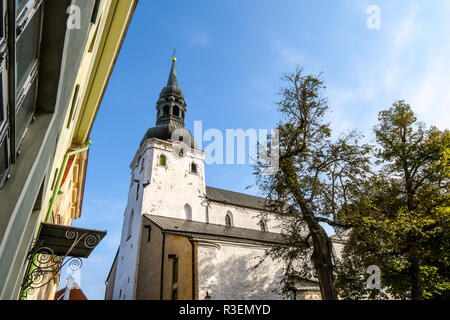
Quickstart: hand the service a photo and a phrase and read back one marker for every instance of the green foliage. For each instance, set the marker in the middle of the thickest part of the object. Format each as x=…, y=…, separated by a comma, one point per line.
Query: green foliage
x=402, y=220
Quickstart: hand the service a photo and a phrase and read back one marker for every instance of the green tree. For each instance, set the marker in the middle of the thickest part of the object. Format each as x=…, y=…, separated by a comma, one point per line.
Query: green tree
x=313, y=183
x=402, y=221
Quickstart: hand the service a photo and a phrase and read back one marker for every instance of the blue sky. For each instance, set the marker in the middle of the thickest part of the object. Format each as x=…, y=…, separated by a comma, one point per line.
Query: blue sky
x=231, y=55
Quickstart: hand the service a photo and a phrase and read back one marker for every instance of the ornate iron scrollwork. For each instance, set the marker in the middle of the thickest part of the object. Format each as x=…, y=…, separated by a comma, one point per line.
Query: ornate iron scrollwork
x=44, y=265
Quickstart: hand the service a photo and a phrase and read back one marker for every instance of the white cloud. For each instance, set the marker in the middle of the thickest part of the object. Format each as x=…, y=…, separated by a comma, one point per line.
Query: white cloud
x=200, y=39
x=292, y=56
x=408, y=69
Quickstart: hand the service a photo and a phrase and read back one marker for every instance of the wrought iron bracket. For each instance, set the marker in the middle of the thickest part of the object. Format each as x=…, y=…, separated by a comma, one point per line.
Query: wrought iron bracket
x=44, y=264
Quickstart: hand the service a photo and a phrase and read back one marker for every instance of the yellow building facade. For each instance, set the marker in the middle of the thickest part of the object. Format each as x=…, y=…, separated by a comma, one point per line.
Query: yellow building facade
x=63, y=196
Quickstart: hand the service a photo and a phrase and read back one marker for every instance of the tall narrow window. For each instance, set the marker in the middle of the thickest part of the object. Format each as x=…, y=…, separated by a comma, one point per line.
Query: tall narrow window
x=176, y=111
x=95, y=11
x=72, y=106
x=142, y=165
x=175, y=278
x=26, y=63
x=193, y=168
x=187, y=212
x=229, y=219
x=162, y=160
x=130, y=224
x=149, y=232
x=137, y=190
x=166, y=111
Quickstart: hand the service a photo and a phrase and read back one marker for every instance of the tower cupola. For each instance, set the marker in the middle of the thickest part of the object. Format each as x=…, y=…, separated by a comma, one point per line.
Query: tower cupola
x=170, y=110
x=171, y=107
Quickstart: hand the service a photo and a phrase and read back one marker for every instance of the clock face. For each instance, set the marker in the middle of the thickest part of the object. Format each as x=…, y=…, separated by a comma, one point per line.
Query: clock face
x=179, y=151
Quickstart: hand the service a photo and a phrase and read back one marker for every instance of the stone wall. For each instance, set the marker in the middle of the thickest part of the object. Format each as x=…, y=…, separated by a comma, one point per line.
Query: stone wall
x=225, y=272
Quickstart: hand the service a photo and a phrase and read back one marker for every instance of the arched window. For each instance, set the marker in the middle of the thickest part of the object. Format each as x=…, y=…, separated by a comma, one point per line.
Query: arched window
x=176, y=111
x=193, y=167
x=130, y=224
x=162, y=161
x=166, y=111
x=187, y=212
x=263, y=225
x=229, y=219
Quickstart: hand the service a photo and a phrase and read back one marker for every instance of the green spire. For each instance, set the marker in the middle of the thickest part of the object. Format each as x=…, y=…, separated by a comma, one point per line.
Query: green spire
x=173, y=81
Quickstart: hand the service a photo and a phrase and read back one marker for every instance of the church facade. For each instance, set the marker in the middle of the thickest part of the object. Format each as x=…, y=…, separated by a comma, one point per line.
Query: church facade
x=182, y=239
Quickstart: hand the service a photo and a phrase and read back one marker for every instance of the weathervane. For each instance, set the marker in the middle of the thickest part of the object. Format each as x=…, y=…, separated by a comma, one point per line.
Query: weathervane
x=173, y=55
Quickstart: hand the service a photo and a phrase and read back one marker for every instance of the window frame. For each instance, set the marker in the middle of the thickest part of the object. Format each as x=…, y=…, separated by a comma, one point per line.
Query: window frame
x=19, y=92
x=130, y=225
x=229, y=218
x=159, y=160
x=191, y=168
x=175, y=276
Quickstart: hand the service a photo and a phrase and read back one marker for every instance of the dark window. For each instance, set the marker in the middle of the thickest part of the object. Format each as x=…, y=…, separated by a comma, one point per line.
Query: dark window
x=95, y=11
x=149, y=233
x=27, y=48
x=176, y=111
x=175, y=271
x=166, y=111
x=137, y=191
x=175, y=278
x=228, y=220
x=72, y=107
x=23, y=78
x=193, y=167
x=130, y=224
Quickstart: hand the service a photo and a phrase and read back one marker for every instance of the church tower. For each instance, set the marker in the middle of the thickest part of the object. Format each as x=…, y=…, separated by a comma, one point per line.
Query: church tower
x=167, y=179
x=182, y=239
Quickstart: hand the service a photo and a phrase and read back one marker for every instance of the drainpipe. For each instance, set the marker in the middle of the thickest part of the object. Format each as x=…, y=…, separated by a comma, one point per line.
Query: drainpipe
x=162, y=265
x=55, y=195
x=57, y=192
x=191, y=240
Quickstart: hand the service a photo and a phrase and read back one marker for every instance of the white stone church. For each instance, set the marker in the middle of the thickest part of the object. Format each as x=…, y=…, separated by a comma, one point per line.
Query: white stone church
x=182, y=239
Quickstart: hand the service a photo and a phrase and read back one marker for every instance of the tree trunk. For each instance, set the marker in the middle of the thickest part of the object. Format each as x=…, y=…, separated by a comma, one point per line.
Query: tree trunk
x=322, y=261
x=416, y=280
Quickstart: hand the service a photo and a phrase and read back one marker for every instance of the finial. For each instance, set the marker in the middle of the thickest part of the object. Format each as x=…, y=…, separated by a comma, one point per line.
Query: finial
x=173, y=55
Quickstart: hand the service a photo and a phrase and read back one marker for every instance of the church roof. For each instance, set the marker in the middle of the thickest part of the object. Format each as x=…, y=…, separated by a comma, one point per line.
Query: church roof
x=75, y=294
x=213, y=231
x=235, y=198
